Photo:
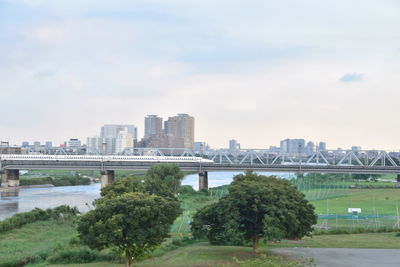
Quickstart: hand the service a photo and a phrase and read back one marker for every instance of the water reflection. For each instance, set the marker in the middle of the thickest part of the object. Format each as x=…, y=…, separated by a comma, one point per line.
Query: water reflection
x=8, y=203
x=26, y=199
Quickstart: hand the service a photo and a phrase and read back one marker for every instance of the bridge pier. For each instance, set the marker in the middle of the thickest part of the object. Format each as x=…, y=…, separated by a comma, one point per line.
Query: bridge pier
x=107, y=177
x=203, y=180
x=10, y=178
x=398, y=180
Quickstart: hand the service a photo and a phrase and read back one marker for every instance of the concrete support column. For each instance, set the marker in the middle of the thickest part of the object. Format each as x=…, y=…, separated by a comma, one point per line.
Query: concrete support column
x=203, y=180
x=13, y=178
x=398, y=180
x=107, y=177
x=4, y=178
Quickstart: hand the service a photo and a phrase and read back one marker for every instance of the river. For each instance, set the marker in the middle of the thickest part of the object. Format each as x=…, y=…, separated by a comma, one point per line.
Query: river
x=13, y=201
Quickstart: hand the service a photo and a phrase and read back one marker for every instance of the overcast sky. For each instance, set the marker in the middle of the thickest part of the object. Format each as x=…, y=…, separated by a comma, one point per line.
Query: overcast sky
x=258, y=71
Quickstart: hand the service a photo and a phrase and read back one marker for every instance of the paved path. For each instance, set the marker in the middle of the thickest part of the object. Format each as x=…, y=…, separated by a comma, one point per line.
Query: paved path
x=345, y=257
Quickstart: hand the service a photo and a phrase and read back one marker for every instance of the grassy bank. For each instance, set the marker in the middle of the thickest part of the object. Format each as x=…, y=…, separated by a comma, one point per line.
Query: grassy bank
x=369, y=240
x=34, y=242
x=56, y=181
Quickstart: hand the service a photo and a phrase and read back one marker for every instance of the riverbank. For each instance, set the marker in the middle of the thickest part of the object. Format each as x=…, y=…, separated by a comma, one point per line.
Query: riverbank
x=7, y=189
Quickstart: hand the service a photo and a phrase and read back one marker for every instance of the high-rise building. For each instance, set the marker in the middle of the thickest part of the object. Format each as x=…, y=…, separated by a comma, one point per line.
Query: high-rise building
x=123, y=142
x=48, y=144
x=310, y=148
x=94, y=145
x=322, y=146
x=293, y=146
x=179, y=131
x=153, y=126
x=112, y=130
x=234, y=146
x=25, y=144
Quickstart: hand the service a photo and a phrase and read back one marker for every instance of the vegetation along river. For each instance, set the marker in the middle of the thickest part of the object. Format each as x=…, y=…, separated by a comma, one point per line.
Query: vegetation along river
x=13, y=201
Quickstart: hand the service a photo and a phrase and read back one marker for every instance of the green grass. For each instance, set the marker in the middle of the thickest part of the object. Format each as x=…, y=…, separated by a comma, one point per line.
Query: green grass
x=371, y=201
x=369, y=240
x=200, y=254
x=190, y=204
x=39, y=238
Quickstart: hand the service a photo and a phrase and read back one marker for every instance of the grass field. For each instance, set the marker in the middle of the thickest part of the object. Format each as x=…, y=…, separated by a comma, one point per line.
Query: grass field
x=197, y=255
x=202, y=254
x=34, y=240
x=369, y=240
x=379, y=207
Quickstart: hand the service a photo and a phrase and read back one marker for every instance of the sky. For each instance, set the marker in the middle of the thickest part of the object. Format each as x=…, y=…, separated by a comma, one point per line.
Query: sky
x=258, y=71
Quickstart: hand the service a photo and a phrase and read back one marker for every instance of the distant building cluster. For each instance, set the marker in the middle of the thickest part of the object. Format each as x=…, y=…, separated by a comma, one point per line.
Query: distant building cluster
x=113, y=139
x=299, y=147
x=176, y=132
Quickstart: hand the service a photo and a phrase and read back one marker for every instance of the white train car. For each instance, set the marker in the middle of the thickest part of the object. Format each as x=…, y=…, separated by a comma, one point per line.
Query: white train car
x=161, y=159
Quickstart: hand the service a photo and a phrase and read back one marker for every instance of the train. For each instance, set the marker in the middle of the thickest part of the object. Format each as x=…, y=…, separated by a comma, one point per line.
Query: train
x=107, y=158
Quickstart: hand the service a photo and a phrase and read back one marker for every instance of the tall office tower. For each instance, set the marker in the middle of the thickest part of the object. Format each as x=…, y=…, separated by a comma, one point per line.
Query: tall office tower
x=109, y=145
x=112, y=130
x=123, y=142
x=293, y=146
x=25, y=144
x=322, y=146
x=310, y=148
x=152, y=126
x=94, y=145
x=233, y=146
x=179, y=131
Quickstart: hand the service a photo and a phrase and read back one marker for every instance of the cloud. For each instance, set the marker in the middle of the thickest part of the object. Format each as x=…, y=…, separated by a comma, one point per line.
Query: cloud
x=352, y=77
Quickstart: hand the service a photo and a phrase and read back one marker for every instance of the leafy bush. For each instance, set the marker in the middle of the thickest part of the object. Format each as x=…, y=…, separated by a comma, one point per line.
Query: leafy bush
x=37, y=214
x=73, y=255
x=186, y=190
x=359, y=230
x=36, y=181
x=58, y=181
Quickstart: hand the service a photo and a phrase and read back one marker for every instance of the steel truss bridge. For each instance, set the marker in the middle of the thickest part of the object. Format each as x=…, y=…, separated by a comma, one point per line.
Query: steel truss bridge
x=328, y=161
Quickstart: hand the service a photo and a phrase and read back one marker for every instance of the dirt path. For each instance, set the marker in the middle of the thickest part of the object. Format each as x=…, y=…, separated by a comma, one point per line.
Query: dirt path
x=345, y=257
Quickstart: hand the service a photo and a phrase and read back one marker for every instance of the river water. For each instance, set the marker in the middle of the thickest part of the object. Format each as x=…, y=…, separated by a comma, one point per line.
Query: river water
x=25, y=199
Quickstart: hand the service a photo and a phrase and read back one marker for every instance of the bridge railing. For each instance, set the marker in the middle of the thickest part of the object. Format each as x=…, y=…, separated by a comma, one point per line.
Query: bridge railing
x=366, y=158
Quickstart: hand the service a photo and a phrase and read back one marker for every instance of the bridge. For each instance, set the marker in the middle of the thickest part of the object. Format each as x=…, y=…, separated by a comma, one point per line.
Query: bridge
x=328, y=161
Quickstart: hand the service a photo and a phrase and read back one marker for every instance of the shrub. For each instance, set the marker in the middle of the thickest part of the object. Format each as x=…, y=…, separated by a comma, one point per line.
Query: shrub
x=73, y=255
x=359, y=230
x=186, y=190
x=37, y=214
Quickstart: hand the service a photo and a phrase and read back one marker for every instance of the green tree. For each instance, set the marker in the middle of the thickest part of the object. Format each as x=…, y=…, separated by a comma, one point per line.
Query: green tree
x=124, y=185
x=256, y=207
x=163, y=179
x=134, y=222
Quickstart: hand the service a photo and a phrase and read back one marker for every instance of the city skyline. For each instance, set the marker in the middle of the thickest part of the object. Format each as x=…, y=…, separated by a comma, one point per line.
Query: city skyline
x=259, y=73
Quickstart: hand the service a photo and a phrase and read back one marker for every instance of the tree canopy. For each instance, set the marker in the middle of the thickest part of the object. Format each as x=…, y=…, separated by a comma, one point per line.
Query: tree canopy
x=134, y=213
x=162, y=179
x=256, y=207
x=134, y=222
